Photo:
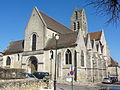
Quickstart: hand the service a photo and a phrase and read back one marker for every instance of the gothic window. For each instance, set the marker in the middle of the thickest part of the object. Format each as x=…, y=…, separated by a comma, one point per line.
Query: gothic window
x=51, y=54
x=76, y=14
x=74, y=26
x=68, y=57
x=18, y=57
x=34, y=42
x=82, y=59
x=78, y=25
x=8, y=62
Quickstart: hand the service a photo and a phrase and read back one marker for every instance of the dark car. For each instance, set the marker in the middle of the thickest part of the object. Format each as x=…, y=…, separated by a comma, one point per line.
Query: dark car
x=41, y=75
x=114, y=79
x=30, y=76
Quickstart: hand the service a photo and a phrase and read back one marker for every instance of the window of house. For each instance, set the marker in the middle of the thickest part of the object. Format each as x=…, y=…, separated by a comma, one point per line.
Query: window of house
x=74, y=26
x=51, y=54
x=18, y=57
x=76, y=14
x=34, y=42
x=82, y=59
x=68, y=57
x=78, y=25
x=8, y=62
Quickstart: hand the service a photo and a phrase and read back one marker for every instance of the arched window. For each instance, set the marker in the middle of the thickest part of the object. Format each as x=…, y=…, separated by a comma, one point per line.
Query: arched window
x=82, y=59
x=76, y=14
x=8, y=62
x=74, y=26
x=68, y=56
x=78, y=25
x=51, y=54
x=34, y=42
x=18, y=57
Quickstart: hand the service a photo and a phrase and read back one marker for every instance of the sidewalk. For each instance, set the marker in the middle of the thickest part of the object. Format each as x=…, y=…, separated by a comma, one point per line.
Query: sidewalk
x=81, y=83
x=51, y=89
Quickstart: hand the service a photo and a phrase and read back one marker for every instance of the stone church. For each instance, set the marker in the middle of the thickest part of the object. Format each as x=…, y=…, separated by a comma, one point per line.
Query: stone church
x=87, y=53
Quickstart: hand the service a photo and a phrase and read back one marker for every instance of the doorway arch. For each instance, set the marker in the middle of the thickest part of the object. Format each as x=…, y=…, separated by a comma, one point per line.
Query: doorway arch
x=32, y=64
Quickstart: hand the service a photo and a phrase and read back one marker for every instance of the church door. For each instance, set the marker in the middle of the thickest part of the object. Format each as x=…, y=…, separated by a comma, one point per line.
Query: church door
x=32, y=64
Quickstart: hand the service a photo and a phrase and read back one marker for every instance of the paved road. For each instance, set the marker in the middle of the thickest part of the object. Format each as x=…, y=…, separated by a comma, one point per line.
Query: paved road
x=99, y=86
x=68, y=87
x=108, y=86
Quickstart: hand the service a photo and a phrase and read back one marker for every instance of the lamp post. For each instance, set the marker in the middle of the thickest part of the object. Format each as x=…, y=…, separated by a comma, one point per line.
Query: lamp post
x=56, y=39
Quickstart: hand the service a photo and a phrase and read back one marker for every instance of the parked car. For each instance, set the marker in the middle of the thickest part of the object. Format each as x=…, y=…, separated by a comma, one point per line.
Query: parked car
x=114, y=79
x=41, y=75
x=30, y=76
x=107, y=80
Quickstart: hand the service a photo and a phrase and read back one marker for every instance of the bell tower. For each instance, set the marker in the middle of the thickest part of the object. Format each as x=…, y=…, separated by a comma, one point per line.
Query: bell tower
x=79, y=21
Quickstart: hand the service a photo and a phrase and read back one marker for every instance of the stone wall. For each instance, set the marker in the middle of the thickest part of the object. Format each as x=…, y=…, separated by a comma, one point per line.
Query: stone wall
x=22, y=84
x=11, y=73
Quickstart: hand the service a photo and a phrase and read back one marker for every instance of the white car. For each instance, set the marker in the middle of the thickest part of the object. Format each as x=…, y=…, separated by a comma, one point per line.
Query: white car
x=107, y=80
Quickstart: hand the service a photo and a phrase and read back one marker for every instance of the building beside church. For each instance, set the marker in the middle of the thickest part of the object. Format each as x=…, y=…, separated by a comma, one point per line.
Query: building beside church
x=87, y=52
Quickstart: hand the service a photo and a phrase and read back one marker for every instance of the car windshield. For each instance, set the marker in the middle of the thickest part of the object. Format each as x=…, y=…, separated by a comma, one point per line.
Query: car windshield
x=106, y=78
x=30, y=75
x=46, y=74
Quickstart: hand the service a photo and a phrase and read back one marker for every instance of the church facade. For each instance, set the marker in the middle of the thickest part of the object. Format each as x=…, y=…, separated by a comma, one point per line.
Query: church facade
x=87, y=53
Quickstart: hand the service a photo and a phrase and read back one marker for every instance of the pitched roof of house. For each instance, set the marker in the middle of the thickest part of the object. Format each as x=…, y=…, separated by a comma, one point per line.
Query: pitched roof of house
x=113, y=63
x=95, y=35
x=65, y=40
x=53, y=24
x=15, y=47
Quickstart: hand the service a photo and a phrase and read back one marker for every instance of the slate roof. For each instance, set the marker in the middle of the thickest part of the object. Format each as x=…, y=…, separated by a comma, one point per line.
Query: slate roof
x=113, y=63
x=54, y=25
x=65, y=40
x=95, y=35
x=15, y=47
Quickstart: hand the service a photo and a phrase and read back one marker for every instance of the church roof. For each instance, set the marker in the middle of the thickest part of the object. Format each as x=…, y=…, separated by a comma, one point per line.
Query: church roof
x=65, y=40
x=15, y=47
x=113, y=63
x=53, y=24
x=95, y=35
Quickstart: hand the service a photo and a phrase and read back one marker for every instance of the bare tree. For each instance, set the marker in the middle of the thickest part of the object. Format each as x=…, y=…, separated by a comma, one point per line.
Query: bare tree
x=109, y=8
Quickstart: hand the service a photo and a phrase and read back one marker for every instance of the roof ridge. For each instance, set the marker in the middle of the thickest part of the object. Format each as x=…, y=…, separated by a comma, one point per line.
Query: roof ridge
x=16, y=41
x=95, y=32
x=95, y=35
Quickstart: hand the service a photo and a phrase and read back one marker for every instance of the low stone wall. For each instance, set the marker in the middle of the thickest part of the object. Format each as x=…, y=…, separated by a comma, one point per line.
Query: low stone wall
x=12, y=73
x=22, y=84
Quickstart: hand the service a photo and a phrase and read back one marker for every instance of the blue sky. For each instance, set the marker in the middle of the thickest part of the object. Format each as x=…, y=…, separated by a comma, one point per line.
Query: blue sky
x=14, y=15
